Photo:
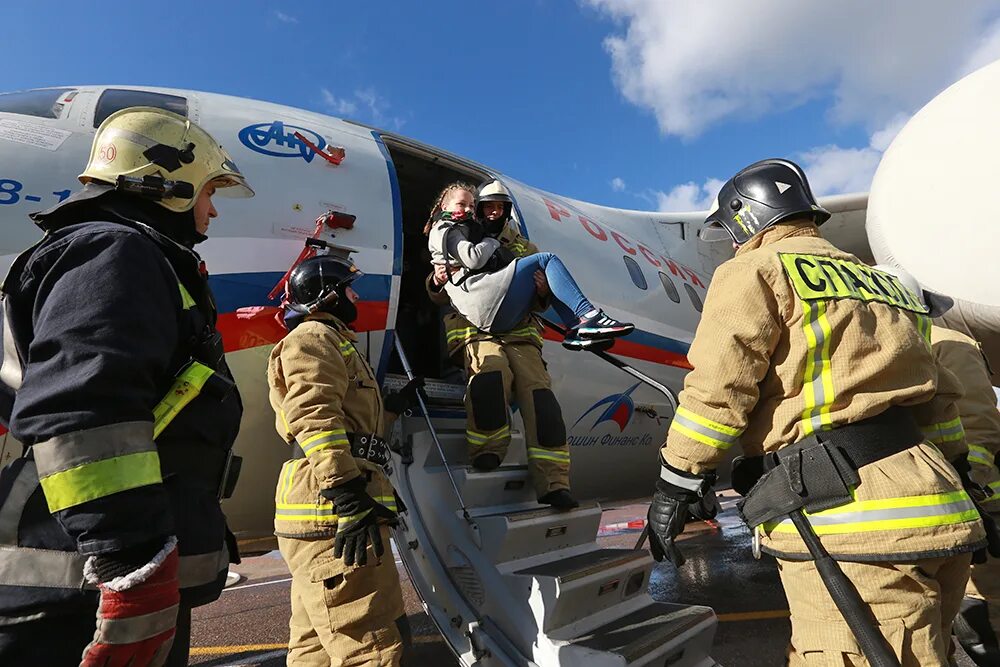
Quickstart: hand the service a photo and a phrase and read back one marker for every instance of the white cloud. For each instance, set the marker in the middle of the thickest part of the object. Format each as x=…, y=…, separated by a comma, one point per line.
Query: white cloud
x=285, y=18
x=337, y=105
x=618, y=184
x=364, y=103
x=694, y=64
x=688, y=196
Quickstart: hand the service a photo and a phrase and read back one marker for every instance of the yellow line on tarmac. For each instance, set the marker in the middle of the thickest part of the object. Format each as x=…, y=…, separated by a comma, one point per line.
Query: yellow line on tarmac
x=752, y=615
x=251, y=648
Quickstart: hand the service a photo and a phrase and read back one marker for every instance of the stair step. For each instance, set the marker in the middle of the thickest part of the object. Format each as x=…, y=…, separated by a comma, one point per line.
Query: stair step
x=507, y=485
x=669, y=634
x=573, y=588
x=508, y=536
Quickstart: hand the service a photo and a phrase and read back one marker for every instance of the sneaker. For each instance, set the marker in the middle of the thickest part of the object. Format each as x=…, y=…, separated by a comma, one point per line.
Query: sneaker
x=486, y=462
x=598, y=325
x=577, y=344
x=560, y=500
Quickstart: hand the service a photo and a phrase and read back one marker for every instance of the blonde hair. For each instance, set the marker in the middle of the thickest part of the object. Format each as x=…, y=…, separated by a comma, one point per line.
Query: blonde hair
x=448, y=189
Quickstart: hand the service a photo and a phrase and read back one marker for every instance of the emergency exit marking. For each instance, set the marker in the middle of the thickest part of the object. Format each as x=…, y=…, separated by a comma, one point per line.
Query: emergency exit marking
x=555, y=531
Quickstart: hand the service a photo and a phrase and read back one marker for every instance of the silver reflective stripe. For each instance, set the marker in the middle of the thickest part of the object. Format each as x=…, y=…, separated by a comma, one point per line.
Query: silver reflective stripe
x=72, y=450
x=202, y=569
x=22, y=566
x=670, y=477
x=10, y=368
x=307, y=511
x=705, y=430
x=13, y=505
x=865, y=516
x=136, y=628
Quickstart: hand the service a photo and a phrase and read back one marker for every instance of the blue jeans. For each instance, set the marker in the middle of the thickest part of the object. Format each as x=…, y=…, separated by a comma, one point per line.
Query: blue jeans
x=567, y=300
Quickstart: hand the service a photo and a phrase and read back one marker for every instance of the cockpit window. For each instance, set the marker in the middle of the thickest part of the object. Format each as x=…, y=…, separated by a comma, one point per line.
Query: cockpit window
x=114, y=99
x=46, y=103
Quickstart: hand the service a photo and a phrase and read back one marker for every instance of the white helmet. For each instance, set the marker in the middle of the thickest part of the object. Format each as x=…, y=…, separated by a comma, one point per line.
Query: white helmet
x=162, y=155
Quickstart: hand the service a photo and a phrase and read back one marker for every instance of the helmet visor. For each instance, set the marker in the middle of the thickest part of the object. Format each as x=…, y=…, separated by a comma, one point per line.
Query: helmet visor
x=228, y=179
x=713, y=232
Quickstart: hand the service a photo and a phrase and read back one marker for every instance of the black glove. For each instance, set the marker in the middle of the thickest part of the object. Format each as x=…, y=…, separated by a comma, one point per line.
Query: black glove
x=398, y=402
x=707, y=507
x=358, y=519
x=676, y=491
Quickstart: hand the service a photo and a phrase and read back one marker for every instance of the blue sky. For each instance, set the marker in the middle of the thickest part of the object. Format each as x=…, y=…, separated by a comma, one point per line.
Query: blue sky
x=631, y=103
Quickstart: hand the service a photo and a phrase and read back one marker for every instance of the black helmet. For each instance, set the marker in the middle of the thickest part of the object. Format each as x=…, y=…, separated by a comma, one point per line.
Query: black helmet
x=761, y=195
x=494, y=191
x=319, y=282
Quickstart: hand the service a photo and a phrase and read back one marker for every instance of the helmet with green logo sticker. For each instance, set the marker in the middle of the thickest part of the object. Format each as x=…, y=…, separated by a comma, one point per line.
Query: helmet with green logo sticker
x=759, y=196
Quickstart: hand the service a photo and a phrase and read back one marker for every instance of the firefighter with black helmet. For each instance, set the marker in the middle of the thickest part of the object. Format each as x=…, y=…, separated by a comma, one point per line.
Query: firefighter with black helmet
x=820, y=367
x=333, y=503
x=115, y=382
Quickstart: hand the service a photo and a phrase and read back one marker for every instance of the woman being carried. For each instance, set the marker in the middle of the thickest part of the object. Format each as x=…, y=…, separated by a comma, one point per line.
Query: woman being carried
x=495, y=290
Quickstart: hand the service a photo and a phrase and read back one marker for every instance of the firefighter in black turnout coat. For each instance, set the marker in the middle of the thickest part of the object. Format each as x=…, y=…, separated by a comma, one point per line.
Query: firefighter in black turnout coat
x=114, y=379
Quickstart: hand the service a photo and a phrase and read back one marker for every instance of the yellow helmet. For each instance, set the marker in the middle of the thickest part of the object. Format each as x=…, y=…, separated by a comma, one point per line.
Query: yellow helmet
x=162, y=155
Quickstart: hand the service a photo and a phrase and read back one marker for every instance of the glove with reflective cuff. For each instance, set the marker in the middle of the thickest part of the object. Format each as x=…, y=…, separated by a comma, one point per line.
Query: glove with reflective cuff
x=137, y=615
x=358, y=520
x=676, y=490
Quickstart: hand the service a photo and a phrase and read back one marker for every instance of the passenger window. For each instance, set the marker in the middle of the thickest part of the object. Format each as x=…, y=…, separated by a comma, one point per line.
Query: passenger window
x=114, y=99
x=46, y=103
x=669, y=287
x=695, y=299
x=635, y=272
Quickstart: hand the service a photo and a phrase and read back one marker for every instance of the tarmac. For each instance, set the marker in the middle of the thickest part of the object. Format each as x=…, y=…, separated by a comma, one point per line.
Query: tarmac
x=248, y=625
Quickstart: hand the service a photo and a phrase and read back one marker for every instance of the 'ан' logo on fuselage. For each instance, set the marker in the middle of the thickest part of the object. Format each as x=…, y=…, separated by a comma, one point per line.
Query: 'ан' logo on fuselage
x=278, y=140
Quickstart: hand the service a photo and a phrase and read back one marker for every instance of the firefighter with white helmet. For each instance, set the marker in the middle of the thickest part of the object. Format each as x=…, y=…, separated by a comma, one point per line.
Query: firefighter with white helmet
x=114, y=380
x=821, y=369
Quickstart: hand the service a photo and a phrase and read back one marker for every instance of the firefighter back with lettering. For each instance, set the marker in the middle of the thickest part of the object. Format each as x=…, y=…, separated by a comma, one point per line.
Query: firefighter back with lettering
x=117, y=386
x=821, y=369
x=334, y=503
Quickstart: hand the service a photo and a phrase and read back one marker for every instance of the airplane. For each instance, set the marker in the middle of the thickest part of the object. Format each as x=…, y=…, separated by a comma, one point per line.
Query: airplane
x=354, y=185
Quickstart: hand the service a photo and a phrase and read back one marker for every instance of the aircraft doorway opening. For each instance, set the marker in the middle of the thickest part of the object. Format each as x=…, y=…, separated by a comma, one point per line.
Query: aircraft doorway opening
x=421, y=175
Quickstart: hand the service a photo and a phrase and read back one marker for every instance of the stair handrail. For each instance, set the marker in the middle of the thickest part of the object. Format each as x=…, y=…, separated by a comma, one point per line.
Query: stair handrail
x=421, y=399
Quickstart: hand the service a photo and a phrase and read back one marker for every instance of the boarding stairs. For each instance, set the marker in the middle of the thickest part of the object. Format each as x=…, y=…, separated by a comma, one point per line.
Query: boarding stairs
x=510, y=582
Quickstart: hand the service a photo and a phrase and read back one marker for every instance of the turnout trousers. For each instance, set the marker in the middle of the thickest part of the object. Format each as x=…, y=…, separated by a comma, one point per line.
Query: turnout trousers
x=343, y=615
x=496, y=373
x=913, y=602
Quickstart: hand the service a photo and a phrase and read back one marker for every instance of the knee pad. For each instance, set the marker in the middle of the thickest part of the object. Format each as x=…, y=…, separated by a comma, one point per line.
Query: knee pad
x=549, y=426
x=489, y=409
x=973, y=630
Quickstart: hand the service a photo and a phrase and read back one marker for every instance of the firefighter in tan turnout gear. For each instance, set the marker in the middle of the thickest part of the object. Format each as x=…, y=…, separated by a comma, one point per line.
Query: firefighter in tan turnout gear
x=499, y=365
x=821, y=368
x=333, y=503
x=979, y=617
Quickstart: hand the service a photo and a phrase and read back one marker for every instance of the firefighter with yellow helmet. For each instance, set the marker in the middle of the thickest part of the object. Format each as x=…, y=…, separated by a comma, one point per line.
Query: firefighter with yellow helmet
x=114, y=380
x=821, y=369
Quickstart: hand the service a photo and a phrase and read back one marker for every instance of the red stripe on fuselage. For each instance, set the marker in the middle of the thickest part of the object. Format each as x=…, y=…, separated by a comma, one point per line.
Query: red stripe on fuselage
x=626, y=348
x=258, y=325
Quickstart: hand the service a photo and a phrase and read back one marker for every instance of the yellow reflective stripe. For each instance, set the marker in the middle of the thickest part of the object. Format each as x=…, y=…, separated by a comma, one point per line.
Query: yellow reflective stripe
x=995, y=488
x=475, y=438
x=888, y=514
x=346, y=348
x=924, y=327
x=348, y=519
x=186, y=301
x=548, y=454
x=942, y=432
x=454, y=335
x=704, y=430
x=386, y=501
x=100, y=479
x=818, y=377
x=324, y=440
x=286, y=483
x=979, y=455
x=185, y=389
x=284, y=422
